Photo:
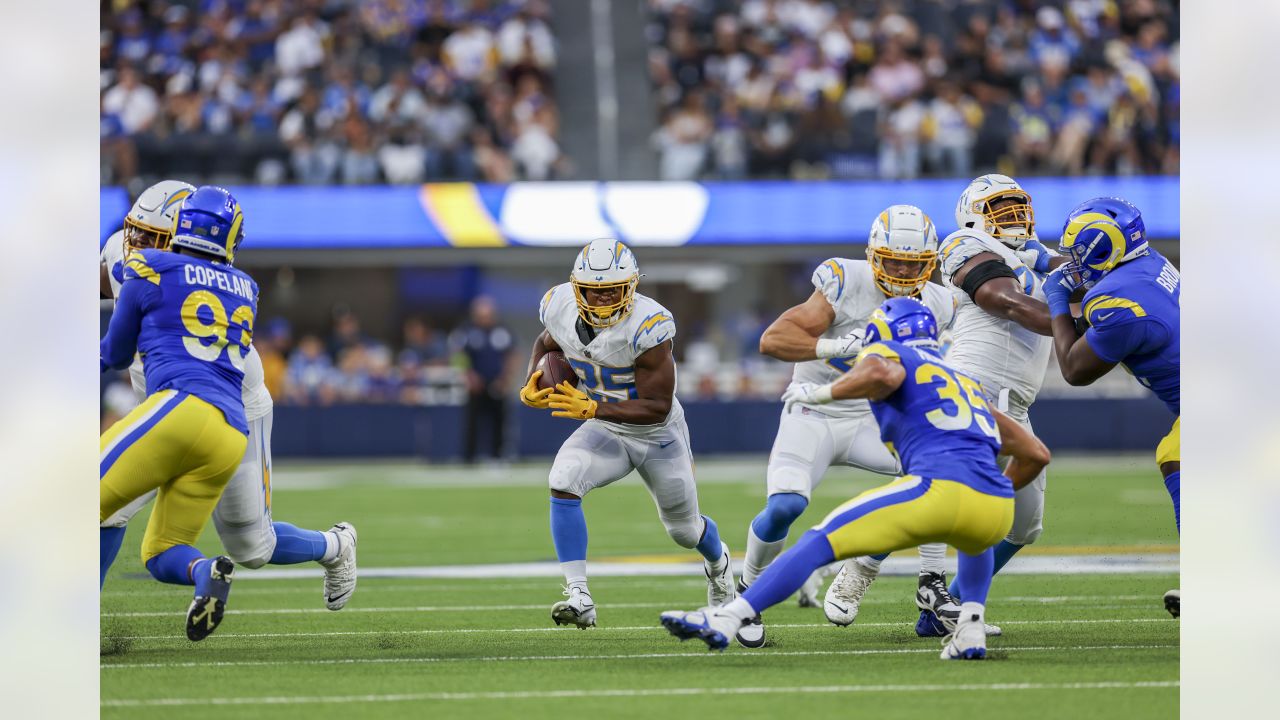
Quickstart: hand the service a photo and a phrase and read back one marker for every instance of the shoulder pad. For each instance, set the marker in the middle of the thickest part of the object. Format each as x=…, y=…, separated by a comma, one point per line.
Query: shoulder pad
x=830, y=279
x=139, y=266
x=880, y=349
x=547, y=299
x=1103, y=310
x=655, y=328
x=959, y=251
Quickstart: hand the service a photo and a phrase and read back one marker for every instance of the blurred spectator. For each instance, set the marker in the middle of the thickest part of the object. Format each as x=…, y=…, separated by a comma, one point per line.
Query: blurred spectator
x=272, y=346
x=133, y=104
x=490, y=351
x=949, y=128
x=682, y=140
x=311, y=374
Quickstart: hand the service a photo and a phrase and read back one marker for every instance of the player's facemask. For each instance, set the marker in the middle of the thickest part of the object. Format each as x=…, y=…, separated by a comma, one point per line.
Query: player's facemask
x=902, y=287
x=1012, y=221
x=142, y=237
x=603, y=316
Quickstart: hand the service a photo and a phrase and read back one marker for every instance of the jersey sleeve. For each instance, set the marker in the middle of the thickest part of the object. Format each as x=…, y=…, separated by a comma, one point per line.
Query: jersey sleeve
x=655, y=328
x=956, y=252
x=545, y=305
x=829, y=278
x=880, y=349
x=121, y=341
x=138, y=267
x=1120, y=328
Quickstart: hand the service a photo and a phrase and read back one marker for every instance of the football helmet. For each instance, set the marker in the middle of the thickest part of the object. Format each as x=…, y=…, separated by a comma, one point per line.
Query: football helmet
x=605, y=264
x=1012, y=224
x=151, y=220
x=210, y=221
x=905, y=234
x=1099, y=235
x=905, y=320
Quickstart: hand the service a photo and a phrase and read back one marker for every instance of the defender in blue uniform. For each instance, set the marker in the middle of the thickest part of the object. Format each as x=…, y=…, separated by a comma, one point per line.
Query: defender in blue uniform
x=1131, y=304
x=189, y=314
x=940, y=426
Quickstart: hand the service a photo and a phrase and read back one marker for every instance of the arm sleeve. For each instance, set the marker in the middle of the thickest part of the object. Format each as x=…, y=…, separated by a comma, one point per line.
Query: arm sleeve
x=121, y=341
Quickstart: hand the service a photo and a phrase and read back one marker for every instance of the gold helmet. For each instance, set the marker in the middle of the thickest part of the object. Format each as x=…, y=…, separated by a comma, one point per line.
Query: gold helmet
x=902, y=233
x=604, y=264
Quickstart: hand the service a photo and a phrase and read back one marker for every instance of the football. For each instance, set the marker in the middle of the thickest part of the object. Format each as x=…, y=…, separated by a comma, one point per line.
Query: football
x=555, y=370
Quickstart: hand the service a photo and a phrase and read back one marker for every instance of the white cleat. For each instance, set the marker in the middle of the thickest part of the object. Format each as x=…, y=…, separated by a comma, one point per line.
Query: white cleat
x=340, y=572
x=578, y=610
x=846, y=591
x=969, y=641
x=721, y=588
x=707, y=625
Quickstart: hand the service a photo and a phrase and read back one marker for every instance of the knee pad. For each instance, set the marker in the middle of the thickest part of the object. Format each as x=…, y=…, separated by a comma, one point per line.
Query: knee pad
x=567, y=472
x=1024, y=536
x=685, y=533
x=779, y=513
x=249, y=549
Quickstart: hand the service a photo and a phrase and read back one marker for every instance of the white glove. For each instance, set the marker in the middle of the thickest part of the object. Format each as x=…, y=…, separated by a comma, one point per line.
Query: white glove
x=807, y=394
x=843, y=346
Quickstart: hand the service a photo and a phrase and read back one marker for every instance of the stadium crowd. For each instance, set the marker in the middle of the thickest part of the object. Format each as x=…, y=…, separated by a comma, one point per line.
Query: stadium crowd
x=327, y=91
x=904, y=88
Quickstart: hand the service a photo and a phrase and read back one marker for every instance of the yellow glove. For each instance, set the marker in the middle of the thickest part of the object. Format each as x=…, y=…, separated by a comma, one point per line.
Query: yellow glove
x=570, y=402
x=530, y=394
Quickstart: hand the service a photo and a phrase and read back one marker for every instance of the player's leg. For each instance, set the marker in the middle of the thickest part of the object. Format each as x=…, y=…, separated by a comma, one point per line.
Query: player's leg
x=111, y=534
x=980, y=522
x=665, y=464
x=1169, y=458
x=592, y=457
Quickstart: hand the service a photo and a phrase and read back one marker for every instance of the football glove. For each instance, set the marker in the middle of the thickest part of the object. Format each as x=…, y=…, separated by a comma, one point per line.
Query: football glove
x=1058, y=287
x=806, y=394
x=570, y=402
x=841, y=347
x=1036, y=256
x=530, y=394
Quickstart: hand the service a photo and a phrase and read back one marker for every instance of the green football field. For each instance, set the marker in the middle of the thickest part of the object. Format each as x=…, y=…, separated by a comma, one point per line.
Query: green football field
x=437, y=629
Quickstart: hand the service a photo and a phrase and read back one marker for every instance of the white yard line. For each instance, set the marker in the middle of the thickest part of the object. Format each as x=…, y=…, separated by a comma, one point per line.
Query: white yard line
x=623, y=692
x=632, y=628
x=593, y=658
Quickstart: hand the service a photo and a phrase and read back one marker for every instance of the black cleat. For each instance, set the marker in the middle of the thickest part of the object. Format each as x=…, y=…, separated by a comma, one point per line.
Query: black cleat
x=205, y=613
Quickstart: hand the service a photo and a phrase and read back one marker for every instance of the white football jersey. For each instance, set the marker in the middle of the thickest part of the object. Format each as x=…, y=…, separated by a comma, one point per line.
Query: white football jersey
x=999, y=353
x=257, y=399
x=606, y=365
x=850, y=286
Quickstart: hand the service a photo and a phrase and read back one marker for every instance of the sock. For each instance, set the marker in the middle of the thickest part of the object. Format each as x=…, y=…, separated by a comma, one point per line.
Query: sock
x=1004, y=551
x=738, y=608
x=969, y=609
x=177, y=565
x=871, y=562
x=1173, y=484
x=792, y=569
x=759, y=555
x=933, y=558
x=569, y=533
x=973, y=578
x=295, y=545
x=710, y=545
x=109, y=541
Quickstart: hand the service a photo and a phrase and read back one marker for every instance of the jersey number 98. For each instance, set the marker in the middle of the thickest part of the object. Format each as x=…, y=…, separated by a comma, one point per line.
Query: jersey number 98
x=964, y=393
x=204, y=317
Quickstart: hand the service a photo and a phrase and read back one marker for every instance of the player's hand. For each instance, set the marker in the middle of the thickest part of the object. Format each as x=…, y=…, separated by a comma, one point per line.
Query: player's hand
x=533, y=397
x=1036, y=256
x=806, y=394
x=844, y=346
x=1058, y=287
x=570, y=402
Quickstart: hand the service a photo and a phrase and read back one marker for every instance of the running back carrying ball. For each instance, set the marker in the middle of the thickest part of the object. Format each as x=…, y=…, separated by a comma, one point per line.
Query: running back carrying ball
x=555, y=370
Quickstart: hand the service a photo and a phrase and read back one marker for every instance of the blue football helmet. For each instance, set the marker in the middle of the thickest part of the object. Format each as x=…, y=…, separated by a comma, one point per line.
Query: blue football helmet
x=210, y=221
x=905, y=320
x=1099, y=235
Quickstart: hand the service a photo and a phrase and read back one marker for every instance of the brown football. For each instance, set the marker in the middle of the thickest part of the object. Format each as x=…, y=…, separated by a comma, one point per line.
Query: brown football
x=555, y=370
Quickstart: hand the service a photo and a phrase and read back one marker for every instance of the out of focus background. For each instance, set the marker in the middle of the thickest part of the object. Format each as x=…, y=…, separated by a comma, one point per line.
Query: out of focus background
x=416, y=174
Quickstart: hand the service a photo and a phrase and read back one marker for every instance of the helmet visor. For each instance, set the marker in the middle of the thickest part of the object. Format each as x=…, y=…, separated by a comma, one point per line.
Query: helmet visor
x=142, y=237
x=901, y=272
x=1009, y=215
x=604, y=304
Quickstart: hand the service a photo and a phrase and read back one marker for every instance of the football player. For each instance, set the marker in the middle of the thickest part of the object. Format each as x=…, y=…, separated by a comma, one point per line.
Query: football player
x=619, y=343
x=1001, y=338
x=947, y=437
x=190, y=313
x=1132, y=308
x=822, y=336
x=243, y=514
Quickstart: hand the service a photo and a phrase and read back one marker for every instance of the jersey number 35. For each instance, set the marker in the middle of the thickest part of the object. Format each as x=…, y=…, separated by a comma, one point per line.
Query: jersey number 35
x=963, y=394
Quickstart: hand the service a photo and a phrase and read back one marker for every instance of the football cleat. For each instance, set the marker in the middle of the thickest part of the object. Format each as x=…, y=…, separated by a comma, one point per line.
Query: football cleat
x=808, y=595
x=579, y=609
x=928, y=625
x=846, y=591
x=1173, y=601
x=708, y=625
x=969, y=641
x=210, y=602
x=340, y=572
x=751, y=634
x=720, y=586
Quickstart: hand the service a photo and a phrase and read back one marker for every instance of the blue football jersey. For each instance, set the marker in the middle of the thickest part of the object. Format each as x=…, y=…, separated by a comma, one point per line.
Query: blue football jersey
x=1134, y=319
x=938, y=422
x=191, y=320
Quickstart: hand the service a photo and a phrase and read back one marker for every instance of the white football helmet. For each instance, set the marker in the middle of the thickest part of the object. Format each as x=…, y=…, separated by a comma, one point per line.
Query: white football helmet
x=602, y=265
x=151, y=220
x=1012, y=224
x=902, y=233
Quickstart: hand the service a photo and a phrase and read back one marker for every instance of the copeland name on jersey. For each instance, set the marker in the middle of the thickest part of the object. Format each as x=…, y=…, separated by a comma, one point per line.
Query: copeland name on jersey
x=254, y=393
x=850, y=286
x=606, y=364
x=933, y=398
x=197, y=327
x=1134, y=318
x=1001, y=353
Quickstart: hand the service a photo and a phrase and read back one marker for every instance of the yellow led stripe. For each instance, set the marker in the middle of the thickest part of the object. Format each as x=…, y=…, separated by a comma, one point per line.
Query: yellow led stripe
x=460, y=216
